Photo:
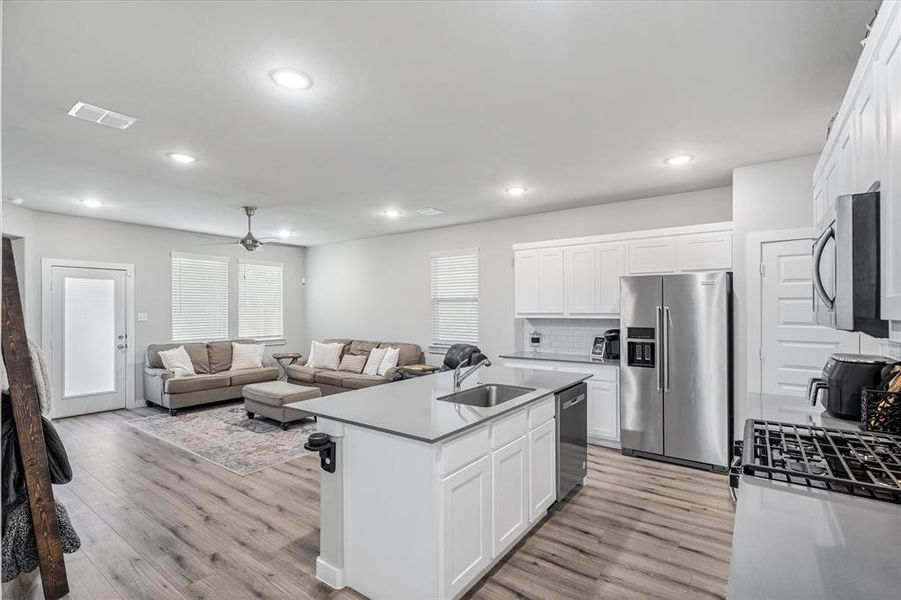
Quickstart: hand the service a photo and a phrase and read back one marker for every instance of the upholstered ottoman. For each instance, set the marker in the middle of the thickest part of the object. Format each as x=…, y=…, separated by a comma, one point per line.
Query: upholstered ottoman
x=268, y=399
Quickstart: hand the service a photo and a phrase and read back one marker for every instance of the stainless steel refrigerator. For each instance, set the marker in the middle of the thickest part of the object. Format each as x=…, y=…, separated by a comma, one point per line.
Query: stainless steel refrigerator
x=676, y=367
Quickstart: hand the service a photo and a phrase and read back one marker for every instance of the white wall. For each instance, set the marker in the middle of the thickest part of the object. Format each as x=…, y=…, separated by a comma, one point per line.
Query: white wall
x=48, y=235
x=765, y=197
x=379, y=288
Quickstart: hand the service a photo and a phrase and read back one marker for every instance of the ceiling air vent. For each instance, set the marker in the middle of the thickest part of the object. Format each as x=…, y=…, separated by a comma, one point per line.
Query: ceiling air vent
x=95, y=114
x=428, y=212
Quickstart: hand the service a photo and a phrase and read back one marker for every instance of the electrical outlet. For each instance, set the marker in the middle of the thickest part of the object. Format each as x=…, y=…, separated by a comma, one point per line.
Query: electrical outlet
x=142, y=317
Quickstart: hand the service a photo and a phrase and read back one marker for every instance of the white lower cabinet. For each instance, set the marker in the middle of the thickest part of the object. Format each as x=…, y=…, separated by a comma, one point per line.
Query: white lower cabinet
x=603, y=411
x=510, y=482
x=496, y=481
x=466, y=525
x=542, y=469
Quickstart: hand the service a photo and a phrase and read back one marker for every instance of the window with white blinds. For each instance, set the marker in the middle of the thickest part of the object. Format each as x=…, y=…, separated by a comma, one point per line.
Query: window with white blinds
x=199, y=297
x=260, y=300
x=455, y=297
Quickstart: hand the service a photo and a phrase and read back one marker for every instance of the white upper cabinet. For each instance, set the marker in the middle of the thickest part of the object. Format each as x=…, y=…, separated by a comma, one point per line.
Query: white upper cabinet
x=550, y=280
x=591, y=275
x=705, y=251
x=539, y=282
x=612, y=266
x=526, y=284
x=580, y=278
x=889, y=85
x=865, y=146
x=654, y=255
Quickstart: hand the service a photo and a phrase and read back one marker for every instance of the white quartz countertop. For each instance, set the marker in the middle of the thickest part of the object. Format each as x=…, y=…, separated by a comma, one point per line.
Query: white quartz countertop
x=560, y=357
x=410, y=408
x=791, y=542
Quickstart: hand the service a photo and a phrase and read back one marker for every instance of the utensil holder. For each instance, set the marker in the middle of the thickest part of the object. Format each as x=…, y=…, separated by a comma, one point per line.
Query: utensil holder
x=880, y=410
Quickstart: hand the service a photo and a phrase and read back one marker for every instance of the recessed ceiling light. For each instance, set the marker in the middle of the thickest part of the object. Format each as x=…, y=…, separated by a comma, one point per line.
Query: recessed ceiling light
x=92, y=203
x=516, y=190
x=14, y=200
x=681, y=159
x=284, y=233
x=391, y=213
x=429, y=212
x=291, y=79
x=182, y=158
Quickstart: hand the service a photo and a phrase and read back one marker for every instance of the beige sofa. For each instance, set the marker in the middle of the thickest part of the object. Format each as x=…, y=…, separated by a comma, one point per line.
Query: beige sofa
x=332, y=382
x=214, y=380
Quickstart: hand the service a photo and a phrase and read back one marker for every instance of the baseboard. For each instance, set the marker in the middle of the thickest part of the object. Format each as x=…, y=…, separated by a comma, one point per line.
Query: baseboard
x=329, y=575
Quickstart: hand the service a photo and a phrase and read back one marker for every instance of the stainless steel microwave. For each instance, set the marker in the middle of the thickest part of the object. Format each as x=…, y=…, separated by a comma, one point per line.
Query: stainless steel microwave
x=846, y=268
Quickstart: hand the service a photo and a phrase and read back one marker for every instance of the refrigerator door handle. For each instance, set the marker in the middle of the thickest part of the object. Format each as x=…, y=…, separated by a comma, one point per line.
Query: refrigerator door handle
x=658, y=339
x=666, y=320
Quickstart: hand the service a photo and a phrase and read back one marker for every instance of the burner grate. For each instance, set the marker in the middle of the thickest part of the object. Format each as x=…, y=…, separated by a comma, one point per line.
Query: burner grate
x=851, y=462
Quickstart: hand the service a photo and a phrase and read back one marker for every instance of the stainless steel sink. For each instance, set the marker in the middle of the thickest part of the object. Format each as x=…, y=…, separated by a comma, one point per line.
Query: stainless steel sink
x=489, y=394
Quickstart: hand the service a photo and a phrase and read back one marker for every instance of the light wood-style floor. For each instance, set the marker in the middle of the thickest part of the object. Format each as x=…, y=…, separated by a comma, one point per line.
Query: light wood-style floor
x=157, y=523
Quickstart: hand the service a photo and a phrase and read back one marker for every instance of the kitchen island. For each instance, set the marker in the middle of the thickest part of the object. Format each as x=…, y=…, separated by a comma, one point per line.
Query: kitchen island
x=426, y=495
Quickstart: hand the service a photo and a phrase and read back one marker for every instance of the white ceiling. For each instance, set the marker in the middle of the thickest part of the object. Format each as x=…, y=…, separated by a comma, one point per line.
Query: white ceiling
x=429, y=104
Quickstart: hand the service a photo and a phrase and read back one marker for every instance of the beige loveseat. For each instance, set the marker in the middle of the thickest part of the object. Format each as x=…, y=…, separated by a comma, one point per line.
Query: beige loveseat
x=214, y=380
x=332, y=382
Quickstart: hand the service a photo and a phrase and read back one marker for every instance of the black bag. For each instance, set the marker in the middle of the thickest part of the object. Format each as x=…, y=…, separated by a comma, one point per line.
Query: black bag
x=13, y=473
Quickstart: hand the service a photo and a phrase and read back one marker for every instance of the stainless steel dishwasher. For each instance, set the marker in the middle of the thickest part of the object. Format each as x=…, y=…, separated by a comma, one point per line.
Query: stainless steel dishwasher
x=572, y=439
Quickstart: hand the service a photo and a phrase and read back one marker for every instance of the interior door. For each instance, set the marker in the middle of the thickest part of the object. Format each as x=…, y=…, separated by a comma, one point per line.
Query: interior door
x=88, y=340
x=793, y=347
x=697, y=360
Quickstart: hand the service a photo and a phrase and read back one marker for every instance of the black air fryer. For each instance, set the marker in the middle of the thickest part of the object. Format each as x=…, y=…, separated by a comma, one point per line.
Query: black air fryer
x=843, y=377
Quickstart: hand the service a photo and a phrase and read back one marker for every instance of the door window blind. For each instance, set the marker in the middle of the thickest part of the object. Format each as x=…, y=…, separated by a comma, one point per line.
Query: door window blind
x=455, y=297
x=260, y=300
x=199, y=297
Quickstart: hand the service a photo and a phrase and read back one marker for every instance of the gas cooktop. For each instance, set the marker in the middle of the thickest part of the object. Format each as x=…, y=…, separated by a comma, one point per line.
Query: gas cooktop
x=860, y=463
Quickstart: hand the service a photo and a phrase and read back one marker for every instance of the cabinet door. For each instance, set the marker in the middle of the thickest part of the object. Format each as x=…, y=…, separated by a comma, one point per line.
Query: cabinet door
x=705, y=251
x=819, y=201
x=655, y=255
x=466, y=525
x=510, y=483
x=611, y=266
x=525, y=272
x=866, y=135
x=550, y=281
x=580, y=270
x=890, y=86
x=542, y=469
x=603, y=410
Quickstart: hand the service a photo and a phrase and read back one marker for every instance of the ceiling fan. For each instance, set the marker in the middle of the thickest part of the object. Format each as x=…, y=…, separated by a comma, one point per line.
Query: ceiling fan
x=249, y=242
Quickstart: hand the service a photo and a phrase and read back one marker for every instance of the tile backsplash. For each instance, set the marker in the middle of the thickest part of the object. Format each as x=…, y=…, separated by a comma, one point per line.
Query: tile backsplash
x=570, y=336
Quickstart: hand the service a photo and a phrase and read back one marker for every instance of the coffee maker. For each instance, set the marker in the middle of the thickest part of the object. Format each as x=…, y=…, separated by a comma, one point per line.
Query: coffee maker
x=606, y=346
x=844, y=375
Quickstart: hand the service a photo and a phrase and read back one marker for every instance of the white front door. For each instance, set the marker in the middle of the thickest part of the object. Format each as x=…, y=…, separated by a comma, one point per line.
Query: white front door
x=88, y=340
x=794, y=349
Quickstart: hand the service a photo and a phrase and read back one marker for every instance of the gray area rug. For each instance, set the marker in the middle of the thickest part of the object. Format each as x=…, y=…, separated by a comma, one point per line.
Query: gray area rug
x=226, y=437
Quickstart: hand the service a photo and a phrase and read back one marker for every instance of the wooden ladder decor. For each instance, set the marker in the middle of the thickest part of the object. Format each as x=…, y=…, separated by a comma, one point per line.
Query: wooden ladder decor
x=27, y=414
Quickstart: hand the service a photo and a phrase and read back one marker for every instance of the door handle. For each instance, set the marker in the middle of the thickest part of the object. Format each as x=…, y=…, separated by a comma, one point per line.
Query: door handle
x=818, y=247
x=666, y=320
x=658, y=335
x=573, y=402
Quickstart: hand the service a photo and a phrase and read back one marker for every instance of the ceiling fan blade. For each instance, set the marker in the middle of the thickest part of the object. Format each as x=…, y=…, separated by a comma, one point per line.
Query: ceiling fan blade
x=221, y=244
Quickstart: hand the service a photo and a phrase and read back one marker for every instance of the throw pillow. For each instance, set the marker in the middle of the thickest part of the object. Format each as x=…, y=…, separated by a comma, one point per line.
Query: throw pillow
x=177, y=361
x=376, y=355
x=390, y=360
x=312, y=353
x=326, y=356
x=352, y=364
x=247, y=356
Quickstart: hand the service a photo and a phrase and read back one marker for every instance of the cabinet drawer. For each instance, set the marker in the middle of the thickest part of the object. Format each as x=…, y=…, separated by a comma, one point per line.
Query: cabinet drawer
x=602, y=372
x=541, y=412
x=460, y=452
x=509, y=428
